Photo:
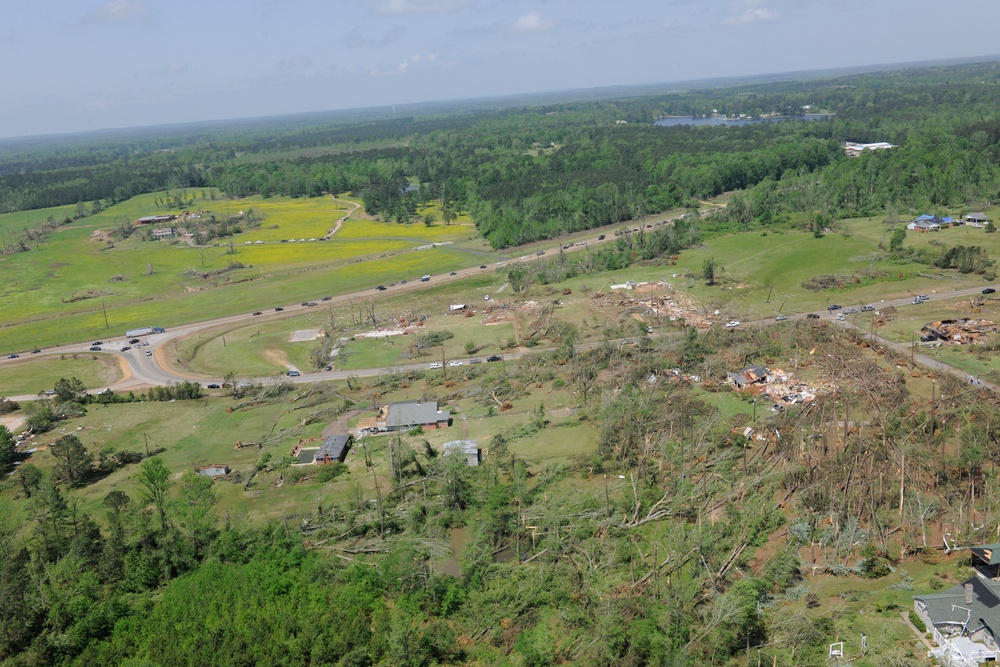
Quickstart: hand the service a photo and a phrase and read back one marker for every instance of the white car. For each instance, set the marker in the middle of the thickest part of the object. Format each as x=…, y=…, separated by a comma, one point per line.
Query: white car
x=734, y=323
x=455, y=362
x=436, y=364
x=781, y=318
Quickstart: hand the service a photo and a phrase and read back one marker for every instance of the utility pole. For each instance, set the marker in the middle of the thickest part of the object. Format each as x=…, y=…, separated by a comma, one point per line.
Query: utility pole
x=146, y=439
x=770, y=289
x=105, y=309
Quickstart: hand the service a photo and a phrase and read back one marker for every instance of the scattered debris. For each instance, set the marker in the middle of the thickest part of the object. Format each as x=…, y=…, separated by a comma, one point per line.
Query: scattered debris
x=962, y=332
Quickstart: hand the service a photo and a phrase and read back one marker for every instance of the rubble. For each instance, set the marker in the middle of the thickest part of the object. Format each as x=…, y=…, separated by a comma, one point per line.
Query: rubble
x=778, y=385
x=962, y=332
x=660, y=300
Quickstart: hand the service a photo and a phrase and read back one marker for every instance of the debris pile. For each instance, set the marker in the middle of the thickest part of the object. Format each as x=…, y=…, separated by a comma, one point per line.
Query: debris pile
x=777, y=385
x=665, y=302
x=963, y=332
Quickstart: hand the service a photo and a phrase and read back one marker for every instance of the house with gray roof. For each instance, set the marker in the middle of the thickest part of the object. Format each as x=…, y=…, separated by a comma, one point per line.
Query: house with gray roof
x=410, y=414
x=966, y=617
x=751, y=375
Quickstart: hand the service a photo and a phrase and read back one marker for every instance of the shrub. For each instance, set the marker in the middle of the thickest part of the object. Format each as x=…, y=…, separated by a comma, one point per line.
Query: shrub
x=917, y=621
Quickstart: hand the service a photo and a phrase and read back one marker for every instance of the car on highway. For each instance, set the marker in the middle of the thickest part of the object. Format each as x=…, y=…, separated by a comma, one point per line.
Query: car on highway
x=453, y=273
x=732, y=324
x=328, y=368
x=567, y=246
x=524, y=257
x=212, y=386
x=97, y=342
x=494, y=357
x=539, y=253
x=305, y=303
x=159, y=330
x=475, y=361
x=278, y=309
x=381, y=288
x=326, y=298
x=781, y=318
x=482, y=266
x=849, y=311
x=582, y=243
x=436, y=364
x=284, y=240
x=601, y=237
x=989, y=290
x=402, y=282
x=424, y=279
x=125, y=348
x=95, y=348
x=454, y=362
x=867, y=309
x=149, y=353
x=293, y=374
x=133, y=341
x=812, y=316
x=841, y=317
x=833, y=306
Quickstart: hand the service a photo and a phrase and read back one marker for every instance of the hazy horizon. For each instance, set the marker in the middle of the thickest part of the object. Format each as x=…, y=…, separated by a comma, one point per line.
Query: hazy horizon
x=124, y=64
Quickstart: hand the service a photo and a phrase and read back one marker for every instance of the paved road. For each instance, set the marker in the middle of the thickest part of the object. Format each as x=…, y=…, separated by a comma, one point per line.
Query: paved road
x=148, y=365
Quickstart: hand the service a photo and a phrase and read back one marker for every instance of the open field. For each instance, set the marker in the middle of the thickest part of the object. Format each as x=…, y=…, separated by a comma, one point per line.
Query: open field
x=30, y=376
x=76, y=271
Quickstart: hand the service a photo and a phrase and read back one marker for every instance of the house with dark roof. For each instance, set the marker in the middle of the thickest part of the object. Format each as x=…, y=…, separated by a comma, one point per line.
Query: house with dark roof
x=975, y=219
x=965, y=618
x=334, y=448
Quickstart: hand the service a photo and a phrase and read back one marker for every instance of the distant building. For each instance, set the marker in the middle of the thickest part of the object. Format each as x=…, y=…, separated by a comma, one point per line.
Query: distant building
x=155, y=219
x=466, y=448
x=749, y=376
x=214, y=470
x=164, y=232
x=972, y=218
x=854, y=149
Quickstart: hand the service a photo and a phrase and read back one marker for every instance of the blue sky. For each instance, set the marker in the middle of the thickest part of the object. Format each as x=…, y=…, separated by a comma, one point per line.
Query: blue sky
x=73, y=65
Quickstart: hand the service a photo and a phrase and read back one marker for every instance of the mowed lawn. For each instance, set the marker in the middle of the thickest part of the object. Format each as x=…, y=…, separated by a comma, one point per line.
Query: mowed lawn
x=30, y=375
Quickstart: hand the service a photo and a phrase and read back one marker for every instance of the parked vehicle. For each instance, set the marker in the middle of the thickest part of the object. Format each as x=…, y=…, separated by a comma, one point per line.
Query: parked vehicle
x=833, y=307
x=212, y=386
x=95, y=348
x=278, y=309
x=868, y=308
x=601, y=237
x=293, y=374
x=381, y=288
x=494, y=357
x=454, y=362
x=781, y=318
x=733, y=324
x=35, y=351
x=13, y=356
x=475, y=361
x=257, y=312
x=989, y=290
x=841, y=317
x=812, y=316
x=125, y=348
x=436, y=364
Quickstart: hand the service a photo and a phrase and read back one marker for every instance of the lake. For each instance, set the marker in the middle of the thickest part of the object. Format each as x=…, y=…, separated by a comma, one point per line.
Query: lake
x=688, y=120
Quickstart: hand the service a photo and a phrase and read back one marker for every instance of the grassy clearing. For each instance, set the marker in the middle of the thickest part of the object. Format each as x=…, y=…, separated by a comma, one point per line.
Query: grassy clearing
x=30, y=376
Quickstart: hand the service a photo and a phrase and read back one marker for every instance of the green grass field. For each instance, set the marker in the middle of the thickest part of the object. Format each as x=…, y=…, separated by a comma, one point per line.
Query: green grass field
x=30, y=376
x=75, y=274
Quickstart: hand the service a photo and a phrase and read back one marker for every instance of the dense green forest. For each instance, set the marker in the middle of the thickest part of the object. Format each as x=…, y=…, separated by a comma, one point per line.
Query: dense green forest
x=527, y=173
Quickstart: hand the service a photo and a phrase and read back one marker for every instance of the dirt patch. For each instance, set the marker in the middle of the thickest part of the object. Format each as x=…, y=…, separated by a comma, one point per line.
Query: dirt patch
x=277, y=357
x=13, y=422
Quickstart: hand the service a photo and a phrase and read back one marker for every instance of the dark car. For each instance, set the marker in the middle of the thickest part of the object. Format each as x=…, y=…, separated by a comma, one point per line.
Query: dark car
x=601, y=237
x=278, y=309
x=453, y=273
x=989, y=290
x=494, y=357
x=35, y=351
x=284, y=240
x=305, y=303
x=812, y=316
x=328, y=368
x=402, y=282
x=326, y=298
x=212, y=386
x=126, y=348
x=13, y=356
x=97, y=342
x=540, y=253
x=482, y=266
x=257, y=312
x=381, y=288
x=293, y=374
x=133, y=341
x=833, y=307
x=95, y=348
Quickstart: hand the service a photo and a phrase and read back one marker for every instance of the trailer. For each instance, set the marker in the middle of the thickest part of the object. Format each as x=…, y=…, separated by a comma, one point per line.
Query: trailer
x=135, y=333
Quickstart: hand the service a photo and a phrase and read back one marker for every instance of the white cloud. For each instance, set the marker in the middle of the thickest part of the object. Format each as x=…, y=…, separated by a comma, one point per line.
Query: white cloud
x=747, y=12
x=532, y=22
x=413, y=63
x=416, y=6
x=117, y=11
